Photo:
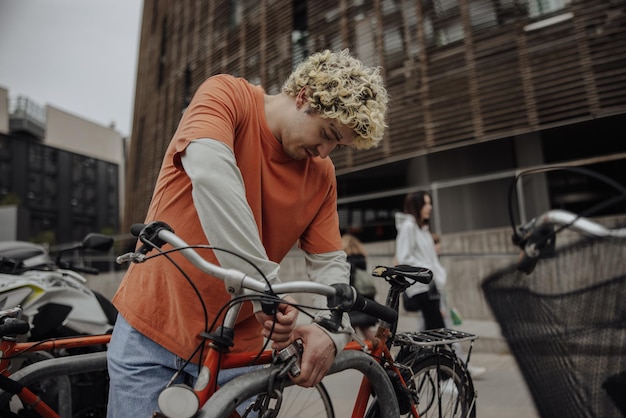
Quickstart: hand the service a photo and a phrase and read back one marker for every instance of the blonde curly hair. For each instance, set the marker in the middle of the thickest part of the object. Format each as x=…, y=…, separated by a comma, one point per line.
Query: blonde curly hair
x=341, y=88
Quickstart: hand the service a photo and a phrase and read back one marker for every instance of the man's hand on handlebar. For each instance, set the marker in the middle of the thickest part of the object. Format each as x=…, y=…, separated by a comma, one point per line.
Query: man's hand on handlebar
x=284, y=324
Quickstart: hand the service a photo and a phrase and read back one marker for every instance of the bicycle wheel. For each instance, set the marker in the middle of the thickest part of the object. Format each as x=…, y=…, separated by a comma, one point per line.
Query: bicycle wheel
x=450, y=390
x=447, y=393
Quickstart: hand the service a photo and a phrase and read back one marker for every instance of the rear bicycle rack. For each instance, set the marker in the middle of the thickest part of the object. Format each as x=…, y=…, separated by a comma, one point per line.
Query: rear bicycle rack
x=440, y=340
x=433, y=337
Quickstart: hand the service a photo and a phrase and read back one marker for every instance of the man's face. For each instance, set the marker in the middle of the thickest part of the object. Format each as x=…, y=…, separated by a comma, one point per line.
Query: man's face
x=308, y=135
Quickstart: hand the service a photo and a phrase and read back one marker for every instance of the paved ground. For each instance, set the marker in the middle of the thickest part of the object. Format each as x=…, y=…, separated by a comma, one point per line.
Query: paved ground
x=502, y=393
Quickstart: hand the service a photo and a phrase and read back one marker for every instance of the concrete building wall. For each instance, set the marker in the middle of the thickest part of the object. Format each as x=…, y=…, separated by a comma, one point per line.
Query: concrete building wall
x=72, y=133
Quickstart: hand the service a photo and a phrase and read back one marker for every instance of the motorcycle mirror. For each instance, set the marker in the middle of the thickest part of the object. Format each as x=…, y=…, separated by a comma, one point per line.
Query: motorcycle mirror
x=97, y=242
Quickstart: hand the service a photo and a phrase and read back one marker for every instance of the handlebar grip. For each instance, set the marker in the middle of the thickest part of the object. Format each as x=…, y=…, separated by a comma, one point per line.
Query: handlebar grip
x=136, y=229
x=375, y=309
x=149, y=233
x=14, y=327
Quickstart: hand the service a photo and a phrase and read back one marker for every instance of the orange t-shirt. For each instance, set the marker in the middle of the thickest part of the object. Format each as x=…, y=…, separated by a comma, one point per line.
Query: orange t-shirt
x=291, y=201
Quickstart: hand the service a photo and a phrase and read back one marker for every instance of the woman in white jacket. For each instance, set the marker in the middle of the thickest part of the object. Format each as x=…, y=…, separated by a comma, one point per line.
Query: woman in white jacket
x=415, y=247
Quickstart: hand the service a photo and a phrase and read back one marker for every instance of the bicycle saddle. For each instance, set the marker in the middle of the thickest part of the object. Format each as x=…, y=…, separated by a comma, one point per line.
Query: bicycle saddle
x=406, y=273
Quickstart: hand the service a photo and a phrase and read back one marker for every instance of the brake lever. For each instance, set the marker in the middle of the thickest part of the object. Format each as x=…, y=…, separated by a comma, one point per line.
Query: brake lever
x=131, y=258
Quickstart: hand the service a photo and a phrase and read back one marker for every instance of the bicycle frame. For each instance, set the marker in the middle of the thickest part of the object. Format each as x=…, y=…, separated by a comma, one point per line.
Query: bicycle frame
x=216, y=361
x=213, y=362
x=13, y=348
x=10, y=348
x=376, y=348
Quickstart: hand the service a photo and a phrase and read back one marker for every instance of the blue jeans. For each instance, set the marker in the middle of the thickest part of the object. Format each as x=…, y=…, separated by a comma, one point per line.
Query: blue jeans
x=139, y=369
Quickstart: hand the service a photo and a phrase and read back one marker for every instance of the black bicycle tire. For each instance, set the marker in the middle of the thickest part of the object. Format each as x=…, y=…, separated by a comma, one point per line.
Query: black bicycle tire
x=424, y=360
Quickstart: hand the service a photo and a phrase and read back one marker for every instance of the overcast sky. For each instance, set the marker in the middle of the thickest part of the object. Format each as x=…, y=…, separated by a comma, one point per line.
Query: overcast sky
x=76, y=55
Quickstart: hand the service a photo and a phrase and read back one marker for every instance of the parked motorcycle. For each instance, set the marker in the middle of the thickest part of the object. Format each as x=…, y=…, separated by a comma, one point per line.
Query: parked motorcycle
x=57, y=303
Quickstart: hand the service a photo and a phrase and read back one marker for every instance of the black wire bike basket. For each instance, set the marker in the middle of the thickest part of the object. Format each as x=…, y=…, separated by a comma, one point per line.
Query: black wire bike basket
x=565, y=324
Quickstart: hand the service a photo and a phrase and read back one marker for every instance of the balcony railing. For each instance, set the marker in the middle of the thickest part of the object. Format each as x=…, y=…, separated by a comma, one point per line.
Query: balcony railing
x=27, y=116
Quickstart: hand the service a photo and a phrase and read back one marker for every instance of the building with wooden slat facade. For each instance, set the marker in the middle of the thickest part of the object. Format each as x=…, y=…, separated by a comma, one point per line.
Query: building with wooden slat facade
x=480, y=90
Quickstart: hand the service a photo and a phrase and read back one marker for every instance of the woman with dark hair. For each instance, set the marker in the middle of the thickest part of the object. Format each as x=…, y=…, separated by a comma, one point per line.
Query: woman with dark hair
x=415, y=247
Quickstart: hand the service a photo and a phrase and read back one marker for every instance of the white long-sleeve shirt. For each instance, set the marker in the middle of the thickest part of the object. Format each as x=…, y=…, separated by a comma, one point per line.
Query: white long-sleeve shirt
x=415, y=247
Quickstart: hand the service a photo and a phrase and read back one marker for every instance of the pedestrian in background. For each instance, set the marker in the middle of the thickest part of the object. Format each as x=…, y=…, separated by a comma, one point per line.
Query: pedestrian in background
x=415, y=247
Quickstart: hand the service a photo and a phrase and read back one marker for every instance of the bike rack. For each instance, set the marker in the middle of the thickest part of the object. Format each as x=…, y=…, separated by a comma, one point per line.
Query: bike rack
x=436, y=338
x=429, y=338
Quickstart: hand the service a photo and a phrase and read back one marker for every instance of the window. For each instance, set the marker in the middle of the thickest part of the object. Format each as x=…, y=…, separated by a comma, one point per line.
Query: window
x=482, y=14
x=236, y=13
x=364, y=30
x=541, y=7
x=394, y=49
x=299, y=48
x=445, y=17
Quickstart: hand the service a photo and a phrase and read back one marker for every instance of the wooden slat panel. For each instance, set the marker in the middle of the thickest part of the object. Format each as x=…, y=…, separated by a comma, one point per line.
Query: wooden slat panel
x=606, y=33
x=495, y=81
x=406, y=128
x=557, y=76
x=500, y=84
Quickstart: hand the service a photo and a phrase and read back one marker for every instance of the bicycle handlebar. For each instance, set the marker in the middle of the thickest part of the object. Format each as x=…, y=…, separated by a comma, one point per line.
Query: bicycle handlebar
x=375, y=309
x=538, y=236
x=573, y=221
x=341, y=297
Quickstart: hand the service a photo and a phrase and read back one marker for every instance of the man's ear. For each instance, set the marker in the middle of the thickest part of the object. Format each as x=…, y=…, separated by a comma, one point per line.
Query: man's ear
x=301, y=98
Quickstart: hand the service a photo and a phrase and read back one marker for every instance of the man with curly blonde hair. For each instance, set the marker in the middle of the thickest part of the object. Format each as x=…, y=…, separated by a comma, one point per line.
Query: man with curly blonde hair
x=247, y=172
x=340, y=87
